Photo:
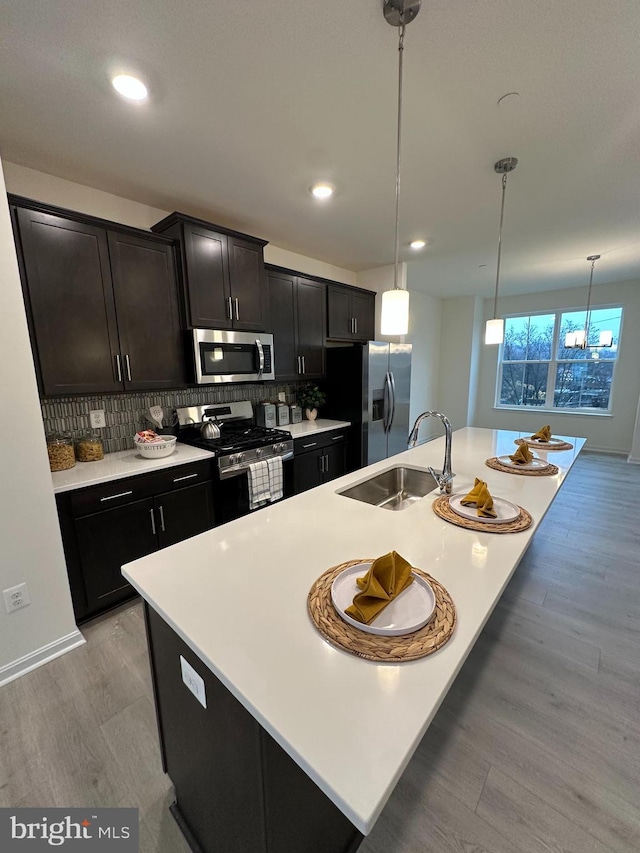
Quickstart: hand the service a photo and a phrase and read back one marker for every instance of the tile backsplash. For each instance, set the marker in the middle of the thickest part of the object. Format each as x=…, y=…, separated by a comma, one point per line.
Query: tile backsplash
x=125, y=413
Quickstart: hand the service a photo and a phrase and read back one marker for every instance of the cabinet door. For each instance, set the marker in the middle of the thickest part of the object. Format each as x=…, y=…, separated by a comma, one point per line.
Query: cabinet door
x=340, y=316
x=70, y=296
x=207, y=278
x=147, y=308
x=335, y=464
x=307, y=471
x=106, y=541
x=363, y=309
x=282, y=309
x=311, y=310
x=248, y=285
x=185, y=513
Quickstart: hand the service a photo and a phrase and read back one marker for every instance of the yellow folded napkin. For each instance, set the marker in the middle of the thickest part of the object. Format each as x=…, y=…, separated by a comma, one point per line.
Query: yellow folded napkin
x=522, y=456
x=481, y=497
x=386, y=579
x=543, y=434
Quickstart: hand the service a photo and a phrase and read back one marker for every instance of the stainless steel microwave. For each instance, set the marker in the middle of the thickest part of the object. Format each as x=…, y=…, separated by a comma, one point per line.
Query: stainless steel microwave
x=232, y=356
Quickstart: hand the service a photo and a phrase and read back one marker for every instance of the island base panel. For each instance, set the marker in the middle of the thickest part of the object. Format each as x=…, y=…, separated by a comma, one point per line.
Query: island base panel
x=236, y=788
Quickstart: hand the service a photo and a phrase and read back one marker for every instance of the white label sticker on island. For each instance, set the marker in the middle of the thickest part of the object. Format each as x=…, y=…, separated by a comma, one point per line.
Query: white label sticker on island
x=194, y=682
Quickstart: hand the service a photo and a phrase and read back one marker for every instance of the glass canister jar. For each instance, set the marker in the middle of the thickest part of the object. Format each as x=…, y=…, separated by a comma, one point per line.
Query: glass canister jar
x=89, y=447
x=60, y=450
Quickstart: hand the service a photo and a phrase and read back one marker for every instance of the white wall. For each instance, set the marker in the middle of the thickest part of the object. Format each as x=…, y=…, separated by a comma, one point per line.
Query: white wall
x=31, y=548
x=612, y=433
x=461, y=318
x=424, y=335
x=52, y=190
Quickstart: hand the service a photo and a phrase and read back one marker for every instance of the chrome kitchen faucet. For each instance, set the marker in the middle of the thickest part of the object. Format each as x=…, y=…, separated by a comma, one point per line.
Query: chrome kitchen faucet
x=445, y=478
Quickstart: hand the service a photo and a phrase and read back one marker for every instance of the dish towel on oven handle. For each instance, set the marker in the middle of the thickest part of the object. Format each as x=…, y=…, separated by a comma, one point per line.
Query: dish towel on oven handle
x=259, y=488
x=276, y=477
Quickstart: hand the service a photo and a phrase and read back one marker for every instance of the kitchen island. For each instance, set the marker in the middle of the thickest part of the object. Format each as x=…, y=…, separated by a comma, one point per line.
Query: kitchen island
x=301, y=744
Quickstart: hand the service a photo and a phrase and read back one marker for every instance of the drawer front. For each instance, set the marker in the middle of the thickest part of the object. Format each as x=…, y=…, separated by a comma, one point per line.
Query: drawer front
x=322, y=439
x=119, y=492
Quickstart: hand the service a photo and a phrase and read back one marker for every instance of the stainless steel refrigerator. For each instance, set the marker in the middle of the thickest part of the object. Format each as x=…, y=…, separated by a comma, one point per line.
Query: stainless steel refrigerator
x=370, y=386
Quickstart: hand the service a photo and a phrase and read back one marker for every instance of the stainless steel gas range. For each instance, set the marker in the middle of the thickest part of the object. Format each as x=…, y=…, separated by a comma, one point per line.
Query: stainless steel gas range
x=240, y=442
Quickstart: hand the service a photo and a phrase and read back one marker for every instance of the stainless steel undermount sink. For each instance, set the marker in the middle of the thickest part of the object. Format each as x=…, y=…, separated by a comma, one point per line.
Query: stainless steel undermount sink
x=394, y=489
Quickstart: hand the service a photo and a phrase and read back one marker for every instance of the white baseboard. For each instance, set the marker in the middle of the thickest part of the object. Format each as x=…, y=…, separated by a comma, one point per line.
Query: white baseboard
x=633, y=461
x=590, y=448
x=21, y=666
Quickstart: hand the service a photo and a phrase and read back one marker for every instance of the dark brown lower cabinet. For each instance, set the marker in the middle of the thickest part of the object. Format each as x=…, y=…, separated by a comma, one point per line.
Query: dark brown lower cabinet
x=103, y=527
x=319, y=459
x=236, y=789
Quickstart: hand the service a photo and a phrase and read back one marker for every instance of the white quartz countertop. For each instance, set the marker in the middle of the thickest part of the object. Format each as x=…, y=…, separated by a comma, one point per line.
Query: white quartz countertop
x=307, y=428
x=248, y=621
x=123, y=463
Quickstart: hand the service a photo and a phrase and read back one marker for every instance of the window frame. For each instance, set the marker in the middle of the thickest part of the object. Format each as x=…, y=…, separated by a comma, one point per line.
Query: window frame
x=553, y=363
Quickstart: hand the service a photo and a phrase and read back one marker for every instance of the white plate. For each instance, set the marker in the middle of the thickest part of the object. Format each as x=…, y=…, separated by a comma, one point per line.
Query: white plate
x=410, y=611
x=538, y=442
x=535, y=464
x=505, y=509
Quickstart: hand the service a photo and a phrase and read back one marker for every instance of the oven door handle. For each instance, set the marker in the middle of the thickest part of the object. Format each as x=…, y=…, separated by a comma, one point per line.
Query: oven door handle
x=260, y=349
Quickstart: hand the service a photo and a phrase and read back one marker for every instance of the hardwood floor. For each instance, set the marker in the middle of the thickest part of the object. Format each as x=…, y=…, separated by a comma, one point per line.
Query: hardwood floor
x=536, y=748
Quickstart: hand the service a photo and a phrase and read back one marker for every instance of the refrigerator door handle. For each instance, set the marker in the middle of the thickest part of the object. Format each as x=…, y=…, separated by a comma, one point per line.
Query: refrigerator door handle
x=392, y=387
x=386, y=393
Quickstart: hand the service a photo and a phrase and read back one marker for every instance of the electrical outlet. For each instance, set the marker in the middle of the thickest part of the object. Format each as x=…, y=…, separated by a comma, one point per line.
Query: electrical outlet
x=16, y=597
x=282, y=397
x=194, y=682
x=96, y=418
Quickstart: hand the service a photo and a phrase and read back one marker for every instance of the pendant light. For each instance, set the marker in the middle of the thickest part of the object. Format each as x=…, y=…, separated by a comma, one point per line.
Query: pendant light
x=494, y=330
x=580, y=338
x=395, y=303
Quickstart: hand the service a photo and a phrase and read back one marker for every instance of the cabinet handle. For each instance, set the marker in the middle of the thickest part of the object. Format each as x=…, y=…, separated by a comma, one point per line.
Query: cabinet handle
x=128, y=364
x=237, y=308
x=118, y=368
x=355, y=325
x=186, y=477
x=322, y=464
x=313, y=444
x=161, y=518
x=304, y=366
x=230, y=307
x=299, y=365
x=337, y=437
x=153, y=522
x=119, y=495
x=326, y=468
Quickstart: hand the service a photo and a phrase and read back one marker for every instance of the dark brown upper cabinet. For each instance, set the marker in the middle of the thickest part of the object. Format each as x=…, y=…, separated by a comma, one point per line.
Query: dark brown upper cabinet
x=102, y=303
x=351, y=313
x=223, y=275
x=297, y=311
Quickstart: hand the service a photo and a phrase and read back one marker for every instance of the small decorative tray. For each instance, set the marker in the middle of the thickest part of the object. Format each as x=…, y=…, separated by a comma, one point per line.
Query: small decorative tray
x=442, y=509
x=336, y=631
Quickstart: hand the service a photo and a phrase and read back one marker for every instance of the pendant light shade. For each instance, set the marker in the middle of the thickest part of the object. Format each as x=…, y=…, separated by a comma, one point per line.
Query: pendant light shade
x=494, y=330
x=395, y=312
x=395, y=303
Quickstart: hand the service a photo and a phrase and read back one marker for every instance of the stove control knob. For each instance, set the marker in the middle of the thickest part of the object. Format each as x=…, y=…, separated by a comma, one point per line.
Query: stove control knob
x=240, y=458
x=258, y=452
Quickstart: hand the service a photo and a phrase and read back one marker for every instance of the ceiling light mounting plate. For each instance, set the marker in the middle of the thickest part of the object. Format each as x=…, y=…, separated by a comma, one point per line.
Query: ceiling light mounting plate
x=593, y=258
x=401, y=12
x=507, y=164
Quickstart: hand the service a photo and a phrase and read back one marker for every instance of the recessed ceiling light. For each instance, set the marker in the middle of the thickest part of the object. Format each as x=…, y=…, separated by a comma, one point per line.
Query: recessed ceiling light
x=418, y=244
x=130, y=87
x=322, y=190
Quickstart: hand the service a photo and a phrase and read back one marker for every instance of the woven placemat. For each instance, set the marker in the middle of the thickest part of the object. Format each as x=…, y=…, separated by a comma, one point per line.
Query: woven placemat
x=423, y=642
x=494, y=462
x=441, y=507
x=563, y=446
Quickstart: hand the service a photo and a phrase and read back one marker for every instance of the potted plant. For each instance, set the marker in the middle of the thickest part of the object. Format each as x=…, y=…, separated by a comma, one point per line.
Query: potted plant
x=310, y=398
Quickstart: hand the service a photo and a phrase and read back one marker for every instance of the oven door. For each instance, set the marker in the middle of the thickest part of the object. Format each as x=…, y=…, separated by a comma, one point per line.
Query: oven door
x=231, y=496
x=232, y=356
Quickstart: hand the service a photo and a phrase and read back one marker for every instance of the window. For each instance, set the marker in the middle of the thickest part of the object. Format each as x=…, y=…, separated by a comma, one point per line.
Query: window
x=537, y=370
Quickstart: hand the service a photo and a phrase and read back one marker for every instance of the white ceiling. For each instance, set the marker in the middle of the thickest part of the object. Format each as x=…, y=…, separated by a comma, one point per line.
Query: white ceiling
x=251, y=101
